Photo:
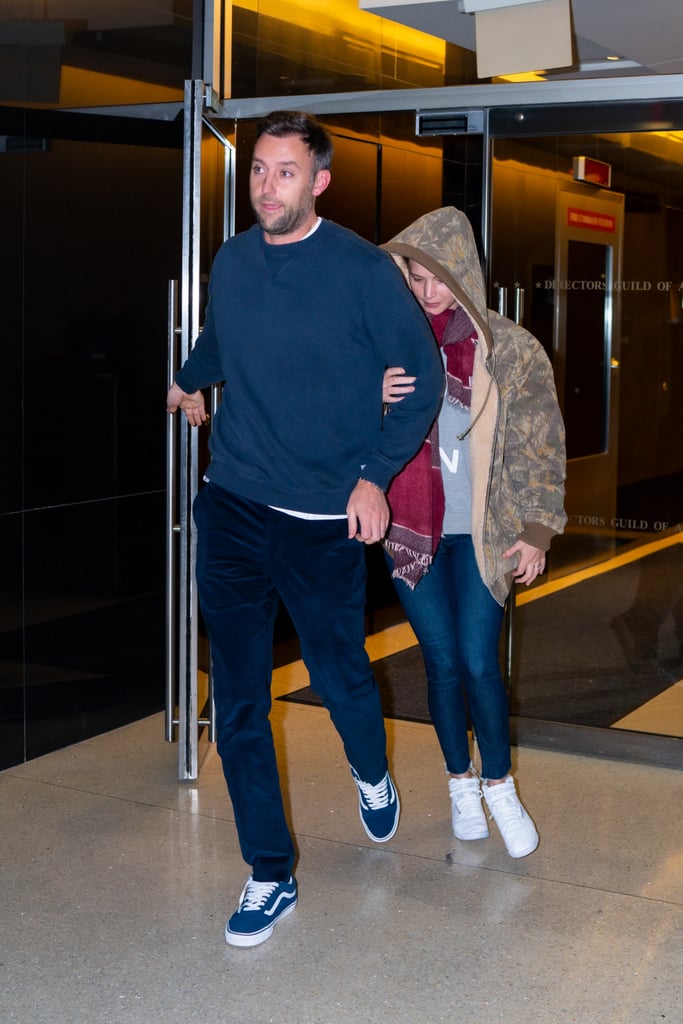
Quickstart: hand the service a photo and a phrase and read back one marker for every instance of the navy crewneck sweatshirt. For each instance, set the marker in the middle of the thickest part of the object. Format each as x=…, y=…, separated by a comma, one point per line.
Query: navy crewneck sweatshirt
x=301, y=334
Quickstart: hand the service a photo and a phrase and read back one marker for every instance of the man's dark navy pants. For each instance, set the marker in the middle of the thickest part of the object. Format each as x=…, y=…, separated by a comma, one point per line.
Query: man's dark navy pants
x=247, y=555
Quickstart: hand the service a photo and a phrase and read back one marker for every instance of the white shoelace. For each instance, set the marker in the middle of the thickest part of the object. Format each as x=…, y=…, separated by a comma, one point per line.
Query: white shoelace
x=467, y=797
x=507, y=807
x=256, y=893
x=377, y=797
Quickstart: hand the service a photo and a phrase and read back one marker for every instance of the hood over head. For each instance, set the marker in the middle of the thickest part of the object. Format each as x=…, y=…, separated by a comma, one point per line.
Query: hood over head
x=443, y=243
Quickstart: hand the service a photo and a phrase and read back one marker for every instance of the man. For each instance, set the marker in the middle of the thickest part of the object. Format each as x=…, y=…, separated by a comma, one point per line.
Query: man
x=303, y=318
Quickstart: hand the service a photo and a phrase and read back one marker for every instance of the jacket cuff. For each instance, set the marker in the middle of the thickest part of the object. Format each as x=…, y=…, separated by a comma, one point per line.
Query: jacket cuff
x=538, y=535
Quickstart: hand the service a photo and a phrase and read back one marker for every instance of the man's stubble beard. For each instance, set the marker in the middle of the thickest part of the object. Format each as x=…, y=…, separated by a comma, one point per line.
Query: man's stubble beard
x=286, y=222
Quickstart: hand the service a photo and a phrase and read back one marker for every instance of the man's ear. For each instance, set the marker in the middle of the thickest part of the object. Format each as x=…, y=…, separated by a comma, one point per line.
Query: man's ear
x=321, y=181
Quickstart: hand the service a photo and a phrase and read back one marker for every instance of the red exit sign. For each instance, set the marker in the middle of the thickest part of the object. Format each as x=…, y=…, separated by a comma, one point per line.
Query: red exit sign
x=595, y=172
x=591, y=220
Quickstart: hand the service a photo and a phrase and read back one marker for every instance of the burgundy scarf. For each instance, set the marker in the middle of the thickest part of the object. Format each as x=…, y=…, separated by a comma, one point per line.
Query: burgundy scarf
x=416, y=496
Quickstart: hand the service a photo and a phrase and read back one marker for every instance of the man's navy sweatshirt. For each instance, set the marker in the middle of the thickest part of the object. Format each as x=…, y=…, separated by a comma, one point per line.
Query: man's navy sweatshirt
x=301, y=334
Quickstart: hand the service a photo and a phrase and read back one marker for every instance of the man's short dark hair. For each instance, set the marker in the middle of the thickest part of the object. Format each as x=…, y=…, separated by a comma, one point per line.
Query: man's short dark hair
x=283, y=123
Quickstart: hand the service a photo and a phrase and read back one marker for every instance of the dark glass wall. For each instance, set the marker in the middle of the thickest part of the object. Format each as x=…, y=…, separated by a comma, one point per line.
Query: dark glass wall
x=92, y=231
x=92, y=53
x=91, y=215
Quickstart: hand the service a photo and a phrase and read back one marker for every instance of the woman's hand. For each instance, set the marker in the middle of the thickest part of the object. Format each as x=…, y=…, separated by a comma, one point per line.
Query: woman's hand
x=531, y=561
x=396, y=385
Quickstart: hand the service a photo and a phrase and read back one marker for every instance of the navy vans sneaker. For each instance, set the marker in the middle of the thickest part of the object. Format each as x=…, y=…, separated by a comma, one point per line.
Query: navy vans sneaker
x=379, y=807
x=262, y=905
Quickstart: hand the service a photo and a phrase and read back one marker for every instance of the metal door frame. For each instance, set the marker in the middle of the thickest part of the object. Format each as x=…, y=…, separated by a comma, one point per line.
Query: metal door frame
x=590, y=476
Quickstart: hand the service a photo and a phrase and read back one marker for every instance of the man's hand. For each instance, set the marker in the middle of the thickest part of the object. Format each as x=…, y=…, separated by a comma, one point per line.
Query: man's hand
x=368, y=513
x=192, y=405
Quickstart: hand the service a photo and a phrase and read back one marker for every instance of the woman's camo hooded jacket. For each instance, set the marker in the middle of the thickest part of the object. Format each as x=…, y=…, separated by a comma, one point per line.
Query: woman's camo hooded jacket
x=517, y=446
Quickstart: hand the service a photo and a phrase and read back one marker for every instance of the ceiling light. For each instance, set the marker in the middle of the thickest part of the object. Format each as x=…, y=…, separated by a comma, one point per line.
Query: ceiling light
x=601, y=65
x=471, y=6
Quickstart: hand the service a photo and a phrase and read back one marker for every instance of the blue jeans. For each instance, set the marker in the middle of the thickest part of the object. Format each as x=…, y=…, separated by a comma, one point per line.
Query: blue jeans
x=457, y=623
x=247, y=555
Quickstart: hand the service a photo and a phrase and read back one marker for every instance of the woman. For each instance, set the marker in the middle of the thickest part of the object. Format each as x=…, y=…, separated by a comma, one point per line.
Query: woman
x=474, y=511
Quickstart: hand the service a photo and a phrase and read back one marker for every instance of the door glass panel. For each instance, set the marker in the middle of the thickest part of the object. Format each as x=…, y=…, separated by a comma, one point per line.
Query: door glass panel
x=599, y=641
x=94, y=238
x=585, y=396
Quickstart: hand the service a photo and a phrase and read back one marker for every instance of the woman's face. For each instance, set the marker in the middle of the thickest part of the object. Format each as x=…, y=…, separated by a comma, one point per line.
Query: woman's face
x=430, y=292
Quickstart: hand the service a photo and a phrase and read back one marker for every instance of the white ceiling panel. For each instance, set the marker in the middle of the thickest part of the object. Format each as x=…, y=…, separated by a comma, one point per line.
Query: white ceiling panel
x=647, y=34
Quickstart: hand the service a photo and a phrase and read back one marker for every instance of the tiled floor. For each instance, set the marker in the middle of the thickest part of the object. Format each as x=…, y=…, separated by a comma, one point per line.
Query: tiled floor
x=117, y=881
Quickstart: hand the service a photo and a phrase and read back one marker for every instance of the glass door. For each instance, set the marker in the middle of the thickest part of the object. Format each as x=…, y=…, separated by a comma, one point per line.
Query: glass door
x=595, y=654
x=555, y=259
x=595, y=274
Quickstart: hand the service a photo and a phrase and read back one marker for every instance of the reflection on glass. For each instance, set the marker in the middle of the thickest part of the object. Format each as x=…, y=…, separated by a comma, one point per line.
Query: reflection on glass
x=329, y=46
x=91, y=53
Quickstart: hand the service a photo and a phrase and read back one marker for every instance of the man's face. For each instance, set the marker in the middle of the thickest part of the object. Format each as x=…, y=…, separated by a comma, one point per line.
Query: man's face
x=283, y=187
x=430, y=292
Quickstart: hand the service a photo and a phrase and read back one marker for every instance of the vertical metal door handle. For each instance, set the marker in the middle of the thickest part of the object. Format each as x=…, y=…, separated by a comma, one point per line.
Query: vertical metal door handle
x=502, y=300
x=519, y=304
x=171, y=525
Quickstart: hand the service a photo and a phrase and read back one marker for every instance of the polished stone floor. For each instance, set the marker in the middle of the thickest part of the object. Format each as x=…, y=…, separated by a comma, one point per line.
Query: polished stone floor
x=117, y=880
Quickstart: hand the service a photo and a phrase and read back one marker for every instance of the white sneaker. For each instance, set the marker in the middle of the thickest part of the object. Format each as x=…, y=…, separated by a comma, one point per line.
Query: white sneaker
x=516, y=827
x=467, y=813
